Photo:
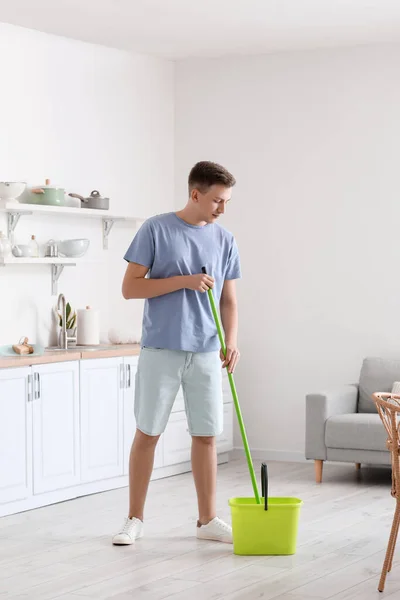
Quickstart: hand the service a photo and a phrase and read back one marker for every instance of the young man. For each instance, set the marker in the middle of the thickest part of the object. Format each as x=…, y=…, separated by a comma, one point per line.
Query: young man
x=180, y=342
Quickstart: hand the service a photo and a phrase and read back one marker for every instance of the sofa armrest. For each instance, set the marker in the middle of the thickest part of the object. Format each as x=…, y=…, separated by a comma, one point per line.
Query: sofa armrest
x=319, y=407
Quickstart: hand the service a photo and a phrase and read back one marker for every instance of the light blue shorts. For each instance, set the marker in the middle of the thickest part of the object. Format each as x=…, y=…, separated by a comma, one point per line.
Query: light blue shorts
x=159, y=376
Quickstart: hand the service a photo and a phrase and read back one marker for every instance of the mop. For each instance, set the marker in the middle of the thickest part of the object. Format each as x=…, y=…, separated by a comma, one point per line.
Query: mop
x=235, y=396
x=268, y=528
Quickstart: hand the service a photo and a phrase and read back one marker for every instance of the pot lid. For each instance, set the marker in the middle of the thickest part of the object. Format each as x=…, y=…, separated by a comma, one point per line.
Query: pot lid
x=96, y=194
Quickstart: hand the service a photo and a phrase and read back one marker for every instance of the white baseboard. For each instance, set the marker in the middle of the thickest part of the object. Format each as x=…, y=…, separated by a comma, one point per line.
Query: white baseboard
x=274, y=455
x=94, y=487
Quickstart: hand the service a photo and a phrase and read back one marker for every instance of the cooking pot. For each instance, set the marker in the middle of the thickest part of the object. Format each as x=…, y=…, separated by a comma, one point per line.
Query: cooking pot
x=46, y=194
x=95, y=200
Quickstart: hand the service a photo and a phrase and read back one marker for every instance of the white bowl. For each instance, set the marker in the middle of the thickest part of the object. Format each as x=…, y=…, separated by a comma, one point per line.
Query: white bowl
x=22, y=251
x=10, y=190
x=73, y=248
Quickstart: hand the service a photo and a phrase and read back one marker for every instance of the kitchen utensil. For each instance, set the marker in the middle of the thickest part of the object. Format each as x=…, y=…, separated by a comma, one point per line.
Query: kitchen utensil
x=22, y=251
x=10, y=191
x=235, y=397
x=95, y=200
x=88, y=327
x=73, y=248
x=51, y=249
x=5, y=246
x=46, y=194
x=23, y=347
x=8, y=352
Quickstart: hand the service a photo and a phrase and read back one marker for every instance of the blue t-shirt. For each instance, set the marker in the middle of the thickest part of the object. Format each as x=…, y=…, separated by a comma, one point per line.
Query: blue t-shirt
x=169, y=246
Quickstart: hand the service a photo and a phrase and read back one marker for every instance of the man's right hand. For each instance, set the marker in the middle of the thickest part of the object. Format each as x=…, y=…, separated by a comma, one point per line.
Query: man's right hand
x=199, y=283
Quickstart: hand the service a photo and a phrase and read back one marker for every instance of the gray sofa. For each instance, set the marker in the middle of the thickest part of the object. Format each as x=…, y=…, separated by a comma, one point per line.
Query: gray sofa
x=343, y=424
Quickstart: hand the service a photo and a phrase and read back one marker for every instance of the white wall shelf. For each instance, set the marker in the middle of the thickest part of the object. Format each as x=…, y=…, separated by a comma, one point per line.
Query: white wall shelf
x=12, y=260
x=16, y=211
x=57, y=266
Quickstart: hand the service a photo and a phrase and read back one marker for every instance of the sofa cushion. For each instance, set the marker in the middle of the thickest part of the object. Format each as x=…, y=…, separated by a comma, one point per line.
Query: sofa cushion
x=356, y=432
x=377, y=375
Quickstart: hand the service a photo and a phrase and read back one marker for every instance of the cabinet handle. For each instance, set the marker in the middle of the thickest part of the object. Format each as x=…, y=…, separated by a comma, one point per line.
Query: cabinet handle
x=36, y=386
x=35, y=393
x=39, y=386
x=29, y=388
x=121, y=376
x=128, y=367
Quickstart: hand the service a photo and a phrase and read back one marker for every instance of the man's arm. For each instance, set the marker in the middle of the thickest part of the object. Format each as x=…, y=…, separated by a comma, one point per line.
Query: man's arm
x=136, y=286
x=229, y=318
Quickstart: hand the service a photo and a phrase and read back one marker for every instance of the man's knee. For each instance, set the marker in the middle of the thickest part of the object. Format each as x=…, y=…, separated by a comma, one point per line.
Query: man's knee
x=145, y=441
x=204, y=440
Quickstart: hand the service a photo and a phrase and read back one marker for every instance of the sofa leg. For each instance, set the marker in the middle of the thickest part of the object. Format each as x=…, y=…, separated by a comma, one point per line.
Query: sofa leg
x=358, y=466
x=318, y=470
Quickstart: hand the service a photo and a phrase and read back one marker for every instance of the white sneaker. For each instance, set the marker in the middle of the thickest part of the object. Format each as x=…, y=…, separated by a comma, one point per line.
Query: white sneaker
x=131, y=531
x=215, y=530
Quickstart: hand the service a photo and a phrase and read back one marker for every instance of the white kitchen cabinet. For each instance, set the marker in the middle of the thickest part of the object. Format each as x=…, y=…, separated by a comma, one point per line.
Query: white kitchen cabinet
x=15, y=435
x=55, y=404
x=102, y=410
x=66, y=430
x=176, y=440
x=225, y=440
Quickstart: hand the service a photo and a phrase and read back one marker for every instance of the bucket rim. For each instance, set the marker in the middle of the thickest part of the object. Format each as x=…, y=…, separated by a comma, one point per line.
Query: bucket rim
x=273, y=500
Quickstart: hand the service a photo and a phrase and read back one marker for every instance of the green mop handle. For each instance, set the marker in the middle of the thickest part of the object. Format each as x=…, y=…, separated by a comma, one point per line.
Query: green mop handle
x=234, y=395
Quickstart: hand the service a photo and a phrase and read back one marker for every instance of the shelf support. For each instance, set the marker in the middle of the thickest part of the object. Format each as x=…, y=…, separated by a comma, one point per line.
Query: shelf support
x=56, y=271
x=108, y=223
x=12, y=221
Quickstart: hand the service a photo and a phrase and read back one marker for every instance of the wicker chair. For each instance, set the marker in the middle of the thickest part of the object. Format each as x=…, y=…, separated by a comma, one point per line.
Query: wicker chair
x=388, y=406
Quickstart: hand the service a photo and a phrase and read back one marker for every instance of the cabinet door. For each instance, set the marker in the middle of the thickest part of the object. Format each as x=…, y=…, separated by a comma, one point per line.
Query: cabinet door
x=130, y=367
x=176, y=440
x=55, y=426
x=15, y=435
x=225, y=440
x=102, y=449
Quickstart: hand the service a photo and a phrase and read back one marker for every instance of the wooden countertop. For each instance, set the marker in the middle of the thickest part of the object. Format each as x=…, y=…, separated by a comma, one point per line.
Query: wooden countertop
x=54, y=356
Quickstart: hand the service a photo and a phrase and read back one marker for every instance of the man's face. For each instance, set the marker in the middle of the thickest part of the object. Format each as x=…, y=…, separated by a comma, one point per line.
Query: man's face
x=211, y=204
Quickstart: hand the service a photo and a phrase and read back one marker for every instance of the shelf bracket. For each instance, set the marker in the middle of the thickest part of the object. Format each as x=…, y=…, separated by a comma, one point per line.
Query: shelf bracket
x=56, y=271
x=107, y=226
x=12, y=221
x=108, y=223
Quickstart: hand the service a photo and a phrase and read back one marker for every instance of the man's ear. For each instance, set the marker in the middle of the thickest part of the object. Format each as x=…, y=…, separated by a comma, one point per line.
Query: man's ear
x=195, y=195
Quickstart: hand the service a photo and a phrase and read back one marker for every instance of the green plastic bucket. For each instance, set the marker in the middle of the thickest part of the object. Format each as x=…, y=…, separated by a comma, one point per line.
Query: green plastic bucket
x=267, y=528
x=259, y=531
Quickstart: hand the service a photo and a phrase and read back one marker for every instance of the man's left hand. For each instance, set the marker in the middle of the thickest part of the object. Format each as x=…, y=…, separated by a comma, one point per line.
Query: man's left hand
x=232, y=357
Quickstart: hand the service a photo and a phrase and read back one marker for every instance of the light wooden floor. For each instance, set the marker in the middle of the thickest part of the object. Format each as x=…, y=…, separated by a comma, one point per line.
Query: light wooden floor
x=64, y=551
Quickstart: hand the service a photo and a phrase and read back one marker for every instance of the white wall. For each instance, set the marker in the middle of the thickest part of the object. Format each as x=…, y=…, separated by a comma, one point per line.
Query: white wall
x=313, y=139
x=88, y=118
